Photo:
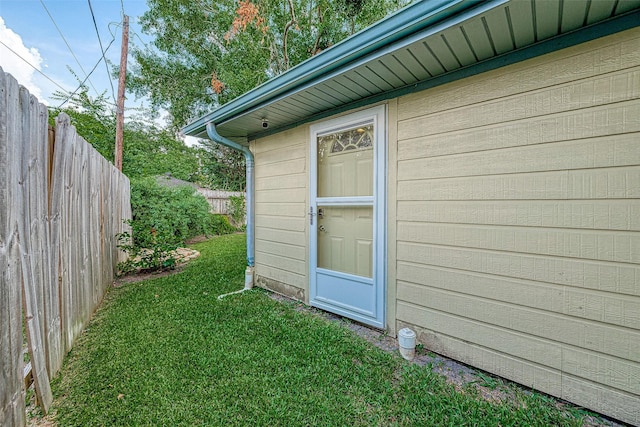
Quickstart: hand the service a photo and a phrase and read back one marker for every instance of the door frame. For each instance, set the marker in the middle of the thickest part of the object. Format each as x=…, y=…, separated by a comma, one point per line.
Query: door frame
x=378, y=115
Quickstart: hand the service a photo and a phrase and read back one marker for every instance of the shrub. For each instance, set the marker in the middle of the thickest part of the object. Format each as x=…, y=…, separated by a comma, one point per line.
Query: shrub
x=159, y=256
x=237, y=210
x=167, y=215
x=219, y=224
x=162, y=219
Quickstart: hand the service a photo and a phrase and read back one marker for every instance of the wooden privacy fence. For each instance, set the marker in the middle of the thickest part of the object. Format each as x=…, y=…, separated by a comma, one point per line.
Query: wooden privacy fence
x=218, y=199
x=61, y=205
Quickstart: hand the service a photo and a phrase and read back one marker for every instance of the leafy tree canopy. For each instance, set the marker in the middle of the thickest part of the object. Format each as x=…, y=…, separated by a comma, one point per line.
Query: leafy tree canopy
x=148, y=150
x=207, y=52
x=222, y=167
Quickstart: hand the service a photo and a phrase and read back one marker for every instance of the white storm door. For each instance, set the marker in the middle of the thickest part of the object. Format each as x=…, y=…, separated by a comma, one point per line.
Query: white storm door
x=347, y=216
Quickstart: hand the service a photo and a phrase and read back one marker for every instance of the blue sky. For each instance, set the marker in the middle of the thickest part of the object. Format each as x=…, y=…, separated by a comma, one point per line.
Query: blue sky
x=27, y=28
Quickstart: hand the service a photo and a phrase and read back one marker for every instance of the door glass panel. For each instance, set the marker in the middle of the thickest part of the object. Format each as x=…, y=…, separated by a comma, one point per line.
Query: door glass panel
x=345, y=162
x=345, y=239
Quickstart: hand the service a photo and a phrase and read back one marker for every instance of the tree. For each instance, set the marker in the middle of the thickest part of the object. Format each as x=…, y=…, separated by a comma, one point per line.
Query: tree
x=208, y=52
x=223, y=167
x=148, y=151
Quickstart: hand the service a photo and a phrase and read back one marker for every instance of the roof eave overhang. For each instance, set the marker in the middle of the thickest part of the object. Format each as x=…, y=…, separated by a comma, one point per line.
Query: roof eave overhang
x=582, y=35
x=399, y=30
x=409, y=20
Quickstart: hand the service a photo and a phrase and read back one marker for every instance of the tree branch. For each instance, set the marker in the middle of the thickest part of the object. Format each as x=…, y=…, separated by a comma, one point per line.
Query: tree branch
x=287, y=27
x=316, y=45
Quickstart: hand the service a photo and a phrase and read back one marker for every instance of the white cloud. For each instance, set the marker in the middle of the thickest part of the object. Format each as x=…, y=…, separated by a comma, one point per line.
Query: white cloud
x=18, y=68
x=192, y=141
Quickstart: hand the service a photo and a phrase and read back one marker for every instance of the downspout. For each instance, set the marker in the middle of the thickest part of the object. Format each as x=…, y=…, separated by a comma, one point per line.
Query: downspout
x=250, y=203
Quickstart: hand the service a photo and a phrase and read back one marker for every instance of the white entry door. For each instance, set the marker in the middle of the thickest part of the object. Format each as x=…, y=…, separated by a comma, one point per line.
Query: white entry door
x=347, y=216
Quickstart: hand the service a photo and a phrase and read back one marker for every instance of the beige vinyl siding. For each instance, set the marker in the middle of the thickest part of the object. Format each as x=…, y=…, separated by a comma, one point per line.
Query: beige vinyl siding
x=281, y=182
x=518, y=222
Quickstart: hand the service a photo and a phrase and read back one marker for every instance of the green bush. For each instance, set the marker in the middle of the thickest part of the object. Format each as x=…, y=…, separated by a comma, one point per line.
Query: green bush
x=220, y=224
x=167, y=215
x=237, y=210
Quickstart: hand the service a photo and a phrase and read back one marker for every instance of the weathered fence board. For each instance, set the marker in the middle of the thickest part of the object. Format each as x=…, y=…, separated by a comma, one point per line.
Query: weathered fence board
x=12, y=404
x=61, y=205
x=219, y=200
x=33, y=231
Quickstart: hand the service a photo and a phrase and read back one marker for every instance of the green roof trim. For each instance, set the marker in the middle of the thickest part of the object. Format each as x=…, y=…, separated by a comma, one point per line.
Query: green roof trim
x=489, y=29
x=601, y=29
x=413, y=18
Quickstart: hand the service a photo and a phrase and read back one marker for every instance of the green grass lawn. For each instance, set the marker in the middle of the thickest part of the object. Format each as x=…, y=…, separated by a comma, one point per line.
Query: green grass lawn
x=168, y=352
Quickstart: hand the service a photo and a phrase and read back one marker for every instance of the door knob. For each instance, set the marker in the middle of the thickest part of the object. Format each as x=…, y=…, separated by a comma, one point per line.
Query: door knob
x=321, y=228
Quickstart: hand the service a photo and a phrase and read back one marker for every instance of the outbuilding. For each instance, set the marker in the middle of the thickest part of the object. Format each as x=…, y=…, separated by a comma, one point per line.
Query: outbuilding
x=470, y=170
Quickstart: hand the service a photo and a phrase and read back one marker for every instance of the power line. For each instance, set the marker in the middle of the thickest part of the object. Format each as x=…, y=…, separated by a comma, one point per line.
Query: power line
x=95, y=25
x=82, y=83
x=32, y=66
x=65, y=42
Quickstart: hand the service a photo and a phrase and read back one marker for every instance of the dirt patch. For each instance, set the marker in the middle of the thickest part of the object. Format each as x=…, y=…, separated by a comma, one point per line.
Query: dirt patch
x=198, y=239
x=182, y=256
x=139, y=277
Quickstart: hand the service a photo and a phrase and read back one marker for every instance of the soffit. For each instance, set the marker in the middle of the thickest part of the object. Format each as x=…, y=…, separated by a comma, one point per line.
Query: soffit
x=483, y=32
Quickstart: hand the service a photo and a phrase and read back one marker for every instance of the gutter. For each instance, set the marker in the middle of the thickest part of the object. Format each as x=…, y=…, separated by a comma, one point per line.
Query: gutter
x=409, y=20
x=250, y=203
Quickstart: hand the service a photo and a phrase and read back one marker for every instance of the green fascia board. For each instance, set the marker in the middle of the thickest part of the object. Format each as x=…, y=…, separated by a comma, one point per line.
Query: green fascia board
x=411, y=19
x=604, y=28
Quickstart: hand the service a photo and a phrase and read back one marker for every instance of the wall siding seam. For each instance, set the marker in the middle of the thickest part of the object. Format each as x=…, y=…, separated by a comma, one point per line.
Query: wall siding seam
x=531, y=133
x=496, y=75
x=279, y=172
x=281, y=236
x=275, y=258
x=558, y=286
x=559, y=371
x=606, y=272
x=283, y=215
x=543, y=340
x=622, y=263
x=292, y=153
x=562, y=300
x=519, y=333
x=521, y=146
x=286, y=214
x=283, y=227
x=631, y=335
x=496, y=225
x=266, y=244
x=278, y=163
x=616, y=184
x=474, y=344
x=527, y=113
x=563, y=171
x=279, y=216
x=591, y=215
x=530, y=309
x=269, y=274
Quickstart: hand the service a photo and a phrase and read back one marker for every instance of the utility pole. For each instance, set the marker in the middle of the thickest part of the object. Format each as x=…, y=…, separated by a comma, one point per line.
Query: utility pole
x=121, y=86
